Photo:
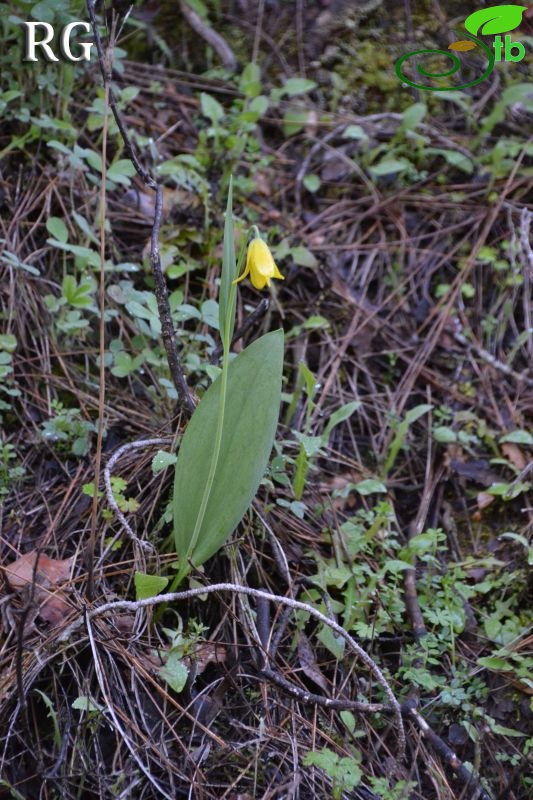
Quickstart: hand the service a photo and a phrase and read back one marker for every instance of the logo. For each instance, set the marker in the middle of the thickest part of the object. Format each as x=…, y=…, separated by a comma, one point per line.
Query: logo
x=31, y=43
x=488, y=21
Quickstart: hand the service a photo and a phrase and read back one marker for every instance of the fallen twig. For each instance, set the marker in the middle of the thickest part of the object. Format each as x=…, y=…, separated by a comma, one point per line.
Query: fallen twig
x=468, y=779
x=172, y=597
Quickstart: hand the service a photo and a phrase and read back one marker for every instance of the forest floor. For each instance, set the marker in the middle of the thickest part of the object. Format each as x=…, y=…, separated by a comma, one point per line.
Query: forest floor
x=398, y=498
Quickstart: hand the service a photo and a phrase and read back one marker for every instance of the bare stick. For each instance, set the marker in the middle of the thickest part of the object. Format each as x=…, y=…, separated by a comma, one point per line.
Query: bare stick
x=161, y=292
x=172, y=597
x=467, y=778
x=214, y=39
x=111, y=500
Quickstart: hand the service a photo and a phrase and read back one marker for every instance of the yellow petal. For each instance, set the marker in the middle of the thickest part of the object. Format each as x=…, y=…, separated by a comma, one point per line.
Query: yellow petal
x=260, y=264
x=462, y=45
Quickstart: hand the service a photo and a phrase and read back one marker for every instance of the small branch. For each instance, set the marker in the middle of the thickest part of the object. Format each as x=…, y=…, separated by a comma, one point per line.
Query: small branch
x=172, y=597
x=161, y=292
x=109, y=491
x=325, y=702
x=213, y=39
x=467, y=778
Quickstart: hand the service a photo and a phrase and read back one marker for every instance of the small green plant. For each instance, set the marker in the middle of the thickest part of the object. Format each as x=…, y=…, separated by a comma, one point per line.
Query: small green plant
x=345, y=772
x=8, y=345
x=67, y=430
x=9, y=472
x=227, y=443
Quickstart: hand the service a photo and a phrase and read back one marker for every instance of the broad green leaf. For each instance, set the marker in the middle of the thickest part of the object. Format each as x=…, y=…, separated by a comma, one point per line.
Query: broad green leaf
x=294, y=120
x=389, y=166
x=303, y=257
x=250, y=420
x=335, y=644
x=348, y=719
x=162, y=460
x=121, y=171
x=311, y=444
x=57, y=228
x=84, y=703
x=494, y=662
x=174, y=672
x=413, y=116
x=518, y=437
x=294, y=86
x=453, y=157
x=370, y=486
x=312, y=183
x=444, y=434
x=211, y=108
x=148, y=585
x=8, y=342
x=226, y=315
x=354, y=132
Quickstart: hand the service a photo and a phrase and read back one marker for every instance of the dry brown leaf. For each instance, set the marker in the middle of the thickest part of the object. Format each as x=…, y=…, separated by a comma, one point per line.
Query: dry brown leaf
x=515, y=455
x=207, y=653
x=307, y=659
x=53, y=606
x=50, y=571
x=484, y=499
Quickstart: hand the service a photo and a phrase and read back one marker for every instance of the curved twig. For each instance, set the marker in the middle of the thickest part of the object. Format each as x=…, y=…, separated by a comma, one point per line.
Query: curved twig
x=172, y=597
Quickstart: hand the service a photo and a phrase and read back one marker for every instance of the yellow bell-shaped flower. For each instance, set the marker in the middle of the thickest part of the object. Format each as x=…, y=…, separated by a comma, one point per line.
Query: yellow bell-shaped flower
x=260, y=265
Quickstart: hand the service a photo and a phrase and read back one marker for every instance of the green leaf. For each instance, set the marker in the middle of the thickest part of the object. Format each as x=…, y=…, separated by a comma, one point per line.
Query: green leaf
x=226, y=315
x=335, y=644
x=148, y=585
x=370, y=486
x=338, y=416
x=312, y=183
x=174, y=672
x=418, y=411
x=498, y=19
x=250, y=420
x=413, y=116
x=295, y=86
x=348, y=719
x=354, y=132
x=162, y=460
x=517, y=437
x=121, y=171
x=294, y=120
x=84, y=703
x=123, y=365
x=453, y=157
x=304, y=257
x=57, y=228
x=250, y=82
x=8, y=342
x=508, y=491
x=390, y=166
x=211, y=108
x=519, y=93
x=493, y=662
x=444, y=434
x=310, y=444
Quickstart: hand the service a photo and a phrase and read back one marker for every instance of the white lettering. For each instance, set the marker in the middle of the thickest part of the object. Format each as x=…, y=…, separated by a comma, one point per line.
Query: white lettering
x=31, y=44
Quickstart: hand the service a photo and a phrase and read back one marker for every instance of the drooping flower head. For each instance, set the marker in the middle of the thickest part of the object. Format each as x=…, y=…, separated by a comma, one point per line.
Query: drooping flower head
x=260, y=265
